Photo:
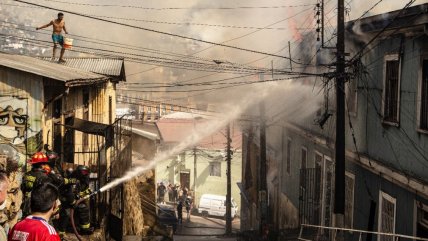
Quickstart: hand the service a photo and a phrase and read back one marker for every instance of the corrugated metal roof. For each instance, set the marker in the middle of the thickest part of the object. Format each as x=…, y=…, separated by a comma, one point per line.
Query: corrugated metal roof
x=106, y=66
x=71, y=76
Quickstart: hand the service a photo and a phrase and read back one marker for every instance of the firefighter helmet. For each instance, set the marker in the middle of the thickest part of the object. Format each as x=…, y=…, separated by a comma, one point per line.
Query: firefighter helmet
x=82, y=170
x=39, y=157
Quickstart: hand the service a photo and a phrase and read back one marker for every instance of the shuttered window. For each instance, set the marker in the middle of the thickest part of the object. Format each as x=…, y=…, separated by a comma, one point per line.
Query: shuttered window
x=288, y=155
x=391, y=89
x=386, y=216
x=349, y=199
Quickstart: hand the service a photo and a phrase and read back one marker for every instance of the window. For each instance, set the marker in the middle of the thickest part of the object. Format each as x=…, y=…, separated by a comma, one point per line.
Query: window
x=304, y=158
x=288, y=155
x=349, y=199
x=215, y=169
x=351, y=96
x=391, y=90
x=423, y=95
x=386, y=223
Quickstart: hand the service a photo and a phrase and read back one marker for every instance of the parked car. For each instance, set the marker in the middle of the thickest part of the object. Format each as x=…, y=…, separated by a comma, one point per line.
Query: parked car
x=215, y=205
x=167, y=216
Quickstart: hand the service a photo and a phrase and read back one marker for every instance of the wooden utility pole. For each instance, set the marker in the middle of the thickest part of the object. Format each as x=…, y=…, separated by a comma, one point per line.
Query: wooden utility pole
x=263, y=168
x=339, y=197
x=229, y=186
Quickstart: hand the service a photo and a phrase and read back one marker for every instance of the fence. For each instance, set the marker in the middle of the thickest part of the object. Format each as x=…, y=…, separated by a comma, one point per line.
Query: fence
x=315, y=233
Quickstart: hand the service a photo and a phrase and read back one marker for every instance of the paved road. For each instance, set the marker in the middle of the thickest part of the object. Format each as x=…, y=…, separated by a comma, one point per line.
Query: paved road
x=204, y=228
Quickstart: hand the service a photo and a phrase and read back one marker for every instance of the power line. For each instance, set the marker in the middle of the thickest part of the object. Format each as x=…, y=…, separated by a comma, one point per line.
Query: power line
x=182, y=8
x=359, y=53
x=218, y=88
x=178, y=63
x=156, y=31
x=239, y=37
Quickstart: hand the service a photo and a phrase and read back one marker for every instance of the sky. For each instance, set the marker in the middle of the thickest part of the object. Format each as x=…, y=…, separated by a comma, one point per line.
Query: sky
x=264, y=26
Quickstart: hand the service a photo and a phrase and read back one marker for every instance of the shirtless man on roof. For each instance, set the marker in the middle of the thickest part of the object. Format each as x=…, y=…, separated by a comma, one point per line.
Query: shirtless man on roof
x=57, y=38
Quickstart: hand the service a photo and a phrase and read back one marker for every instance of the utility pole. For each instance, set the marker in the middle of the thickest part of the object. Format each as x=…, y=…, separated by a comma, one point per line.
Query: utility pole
x=195, y=175
x=339, y=197
x=229, y=189
x=263, y=184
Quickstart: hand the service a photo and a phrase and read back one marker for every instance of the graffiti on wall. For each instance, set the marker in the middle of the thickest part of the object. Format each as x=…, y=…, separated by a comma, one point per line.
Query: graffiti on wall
x=18, y=128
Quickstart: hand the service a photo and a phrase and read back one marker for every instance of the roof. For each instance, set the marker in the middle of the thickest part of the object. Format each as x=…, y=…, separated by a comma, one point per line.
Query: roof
x=113, y=67
x=410, y=17
x=71, y=76
x=175, y=130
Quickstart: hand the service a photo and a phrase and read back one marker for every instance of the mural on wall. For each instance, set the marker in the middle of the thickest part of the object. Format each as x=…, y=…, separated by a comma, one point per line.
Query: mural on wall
x=17, y=128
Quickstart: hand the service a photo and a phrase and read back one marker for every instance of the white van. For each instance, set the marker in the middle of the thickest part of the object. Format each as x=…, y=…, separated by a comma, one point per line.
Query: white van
x=215, y=205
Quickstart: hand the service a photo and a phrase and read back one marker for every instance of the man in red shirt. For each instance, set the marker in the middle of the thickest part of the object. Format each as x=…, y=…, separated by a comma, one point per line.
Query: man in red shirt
x=35, y=227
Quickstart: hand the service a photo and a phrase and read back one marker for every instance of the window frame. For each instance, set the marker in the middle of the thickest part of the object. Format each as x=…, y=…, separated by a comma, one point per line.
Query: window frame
x=303, y=149
x=391, y=57
x=389, y=198
x=354, y=87
x=424, y=56
x=211, y=165
x=288, y=158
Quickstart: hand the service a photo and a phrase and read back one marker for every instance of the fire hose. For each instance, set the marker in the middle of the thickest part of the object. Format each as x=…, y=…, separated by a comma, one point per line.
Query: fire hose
x=72, y=213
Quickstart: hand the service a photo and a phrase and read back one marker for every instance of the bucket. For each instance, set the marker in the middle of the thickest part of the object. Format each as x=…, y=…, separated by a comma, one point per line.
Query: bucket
x=68, y=43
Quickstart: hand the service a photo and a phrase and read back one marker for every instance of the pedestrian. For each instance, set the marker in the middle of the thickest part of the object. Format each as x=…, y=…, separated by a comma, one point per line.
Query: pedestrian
x=185, y=192
x=35, y=227
x=161, y=193
x=57, y=26
x=174, y=193
x=170, y=193
x=4, y=186
x=188, y=204
x=180, y=211
x=180, y=193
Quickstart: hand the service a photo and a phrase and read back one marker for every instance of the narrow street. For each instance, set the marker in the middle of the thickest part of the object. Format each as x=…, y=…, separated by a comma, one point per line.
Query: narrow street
x=204, y=228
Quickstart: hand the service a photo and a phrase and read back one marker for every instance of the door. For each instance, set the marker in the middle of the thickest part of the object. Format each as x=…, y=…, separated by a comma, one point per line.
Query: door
x=185, y=180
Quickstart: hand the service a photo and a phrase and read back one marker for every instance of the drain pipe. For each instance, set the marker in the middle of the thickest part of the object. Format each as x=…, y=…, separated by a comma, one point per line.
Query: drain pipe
x=72, y=213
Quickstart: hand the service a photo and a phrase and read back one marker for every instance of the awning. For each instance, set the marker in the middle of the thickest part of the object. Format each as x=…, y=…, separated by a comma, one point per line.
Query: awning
x=91, y=127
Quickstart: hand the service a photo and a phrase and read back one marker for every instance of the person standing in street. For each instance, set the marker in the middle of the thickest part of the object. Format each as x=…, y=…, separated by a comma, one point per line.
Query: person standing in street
x=57, y=38
x=4, y=186
x=180, y=211
x=170, y=192
x=188, y=204
x=35, y=227
x=161, y=193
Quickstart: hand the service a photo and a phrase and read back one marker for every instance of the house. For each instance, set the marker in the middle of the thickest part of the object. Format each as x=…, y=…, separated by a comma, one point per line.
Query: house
x=386, y=181
x=68, y=108
x=206, y=158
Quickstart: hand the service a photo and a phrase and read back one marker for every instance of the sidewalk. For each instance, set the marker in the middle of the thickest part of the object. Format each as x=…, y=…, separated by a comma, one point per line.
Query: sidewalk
x=204, y=228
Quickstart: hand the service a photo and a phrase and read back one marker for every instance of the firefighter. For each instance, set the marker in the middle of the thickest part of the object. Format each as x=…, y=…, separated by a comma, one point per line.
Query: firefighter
x=68, y=199
x=38, y=174
x=83, y=190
